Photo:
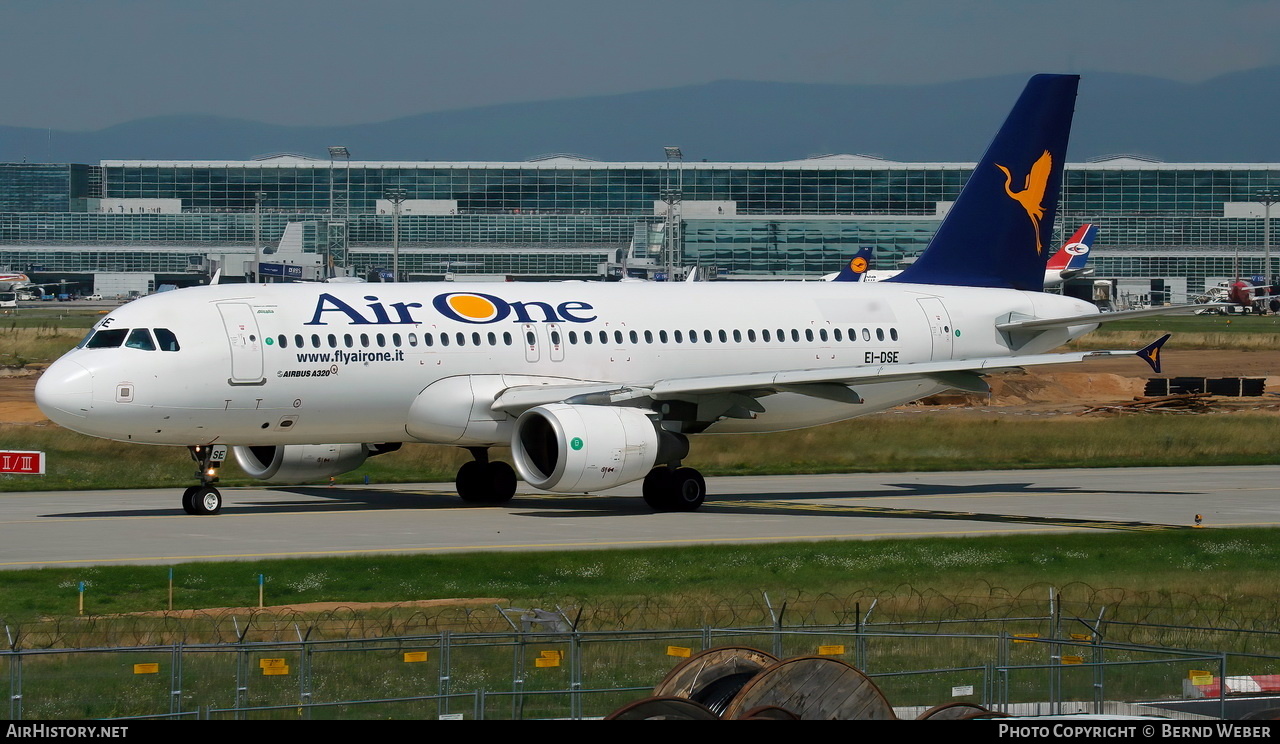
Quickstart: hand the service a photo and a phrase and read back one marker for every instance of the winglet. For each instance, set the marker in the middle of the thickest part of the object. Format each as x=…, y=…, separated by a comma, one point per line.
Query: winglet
x=1151, y=352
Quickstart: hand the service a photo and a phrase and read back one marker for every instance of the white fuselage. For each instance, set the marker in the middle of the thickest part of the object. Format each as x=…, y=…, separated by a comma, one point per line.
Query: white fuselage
x=324, y=363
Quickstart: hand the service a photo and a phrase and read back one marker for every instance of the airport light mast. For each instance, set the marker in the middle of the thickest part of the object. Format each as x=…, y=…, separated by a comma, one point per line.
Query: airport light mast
x=396, y=197
x=673, y=197
x=258, y=197
x=336, y=230
x=1267, y=197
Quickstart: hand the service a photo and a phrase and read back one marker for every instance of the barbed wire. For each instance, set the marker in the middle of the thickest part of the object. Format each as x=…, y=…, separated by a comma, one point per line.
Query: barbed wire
x=1245, y=623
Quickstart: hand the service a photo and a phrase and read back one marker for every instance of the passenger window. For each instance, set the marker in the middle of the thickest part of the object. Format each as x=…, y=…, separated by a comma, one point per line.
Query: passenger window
x=315, y=341
x=822, y=334
x=346, y=339
x=893, y=333
x=555, y=338
x=836, y=332
x=751, y=335
x=297, y=340
x=679, y=337
x=167, y=340
x=333, y=341
x=648, y=337
x=506, y=337
x=588, y=337
x=573, y=338
x=413, y=339
x=795, y=335
x=108, y=339
x=395, y=339
x=662, y=336
x=444, y=339
x=808, y=334
x=428, y=339
x=765, y=335
x=693, y=337
x=530, y=339
x=461, y=338
x=475, y=338
x=140, y=338
x=604, y=337
x=381, y=339
x=866, y=335
x=284, y=341
x=879, y=334
x=706, y=336
x=724, y=337
x=493, y=338
x=635, y=339
x=364, y=340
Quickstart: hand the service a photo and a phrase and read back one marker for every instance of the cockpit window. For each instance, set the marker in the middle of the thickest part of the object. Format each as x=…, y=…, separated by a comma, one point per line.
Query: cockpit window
x=109, y=338
x=140, y=338
x=167, y=340
x=85, y=340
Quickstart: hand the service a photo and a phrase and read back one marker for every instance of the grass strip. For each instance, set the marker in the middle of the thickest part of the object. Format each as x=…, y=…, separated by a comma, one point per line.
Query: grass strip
x=1232, y=566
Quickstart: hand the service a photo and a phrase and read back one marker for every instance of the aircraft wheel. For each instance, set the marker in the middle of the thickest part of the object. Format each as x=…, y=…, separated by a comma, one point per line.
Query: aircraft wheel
x=657, y=488
x=188, y=503
x=688, y=490
x=486, y=483
x=202, y=500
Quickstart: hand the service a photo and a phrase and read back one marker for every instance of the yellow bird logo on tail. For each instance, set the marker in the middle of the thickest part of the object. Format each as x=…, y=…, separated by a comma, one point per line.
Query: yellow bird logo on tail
x=1032, y=195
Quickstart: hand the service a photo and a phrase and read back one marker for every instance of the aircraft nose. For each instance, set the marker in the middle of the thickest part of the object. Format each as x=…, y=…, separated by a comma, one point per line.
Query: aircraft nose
x=64, y=392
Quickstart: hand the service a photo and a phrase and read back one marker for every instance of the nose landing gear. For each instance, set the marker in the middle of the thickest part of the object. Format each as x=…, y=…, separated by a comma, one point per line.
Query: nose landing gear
x=204, y=498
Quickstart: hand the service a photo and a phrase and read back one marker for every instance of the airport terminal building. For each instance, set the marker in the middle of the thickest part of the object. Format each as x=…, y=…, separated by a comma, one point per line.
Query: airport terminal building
x=1167, y=230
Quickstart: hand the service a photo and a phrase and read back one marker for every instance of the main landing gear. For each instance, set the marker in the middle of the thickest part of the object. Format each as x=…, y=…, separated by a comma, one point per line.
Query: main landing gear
x=484, y=482
x=204, y=498
x=669, y=489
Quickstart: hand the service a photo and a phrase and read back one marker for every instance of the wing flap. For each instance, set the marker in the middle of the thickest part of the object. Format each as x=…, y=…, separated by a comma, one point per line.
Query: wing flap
x=818, y=383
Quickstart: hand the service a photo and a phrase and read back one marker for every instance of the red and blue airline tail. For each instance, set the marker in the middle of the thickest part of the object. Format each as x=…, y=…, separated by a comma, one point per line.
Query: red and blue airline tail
x=857, y=268
x=998, y=230
x=1074, y=254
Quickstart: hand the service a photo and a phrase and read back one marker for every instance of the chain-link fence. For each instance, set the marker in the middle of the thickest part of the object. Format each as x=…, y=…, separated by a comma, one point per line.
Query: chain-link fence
x=538, y=675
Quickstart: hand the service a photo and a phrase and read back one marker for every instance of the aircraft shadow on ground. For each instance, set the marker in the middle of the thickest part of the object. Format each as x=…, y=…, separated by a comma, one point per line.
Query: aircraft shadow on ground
x=357, y=499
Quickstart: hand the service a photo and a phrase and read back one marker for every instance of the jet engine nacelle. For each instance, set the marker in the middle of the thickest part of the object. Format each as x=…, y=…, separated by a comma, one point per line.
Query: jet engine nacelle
x=296, y=463
x=576, y=449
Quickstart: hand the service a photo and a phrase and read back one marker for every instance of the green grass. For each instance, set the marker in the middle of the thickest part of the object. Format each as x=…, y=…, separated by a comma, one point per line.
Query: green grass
x=1233, y=566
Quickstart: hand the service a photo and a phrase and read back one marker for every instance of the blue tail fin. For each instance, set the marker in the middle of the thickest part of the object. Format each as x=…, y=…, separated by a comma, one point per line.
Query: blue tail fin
x=997, y=232
x=857, y=266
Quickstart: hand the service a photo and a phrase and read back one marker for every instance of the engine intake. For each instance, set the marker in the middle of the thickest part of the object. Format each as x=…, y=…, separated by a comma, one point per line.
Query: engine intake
x=576, y=449
x=296, y=463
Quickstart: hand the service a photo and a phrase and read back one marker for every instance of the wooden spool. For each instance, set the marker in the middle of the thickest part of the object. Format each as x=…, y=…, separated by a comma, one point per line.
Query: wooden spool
x=814, y=688
x=957, y=712
x=662, y=709
x=714, y=676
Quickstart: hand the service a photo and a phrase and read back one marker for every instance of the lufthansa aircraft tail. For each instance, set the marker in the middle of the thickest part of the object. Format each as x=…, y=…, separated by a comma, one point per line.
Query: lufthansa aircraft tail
x=857, y=267
x=997, y=232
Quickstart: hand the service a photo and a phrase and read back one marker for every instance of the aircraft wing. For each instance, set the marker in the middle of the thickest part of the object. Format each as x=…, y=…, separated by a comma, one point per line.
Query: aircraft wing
x=1093, y=319
x=837, y=384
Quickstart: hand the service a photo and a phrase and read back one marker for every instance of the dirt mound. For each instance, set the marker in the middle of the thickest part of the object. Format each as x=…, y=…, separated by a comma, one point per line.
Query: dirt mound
x=317, y=607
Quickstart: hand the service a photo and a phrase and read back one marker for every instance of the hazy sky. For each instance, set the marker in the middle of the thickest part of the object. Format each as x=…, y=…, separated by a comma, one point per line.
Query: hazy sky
x=85, y=65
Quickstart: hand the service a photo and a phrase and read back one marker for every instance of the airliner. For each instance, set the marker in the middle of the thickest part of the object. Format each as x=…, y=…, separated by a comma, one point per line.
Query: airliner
x=1068, y=263
x=591, y=385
